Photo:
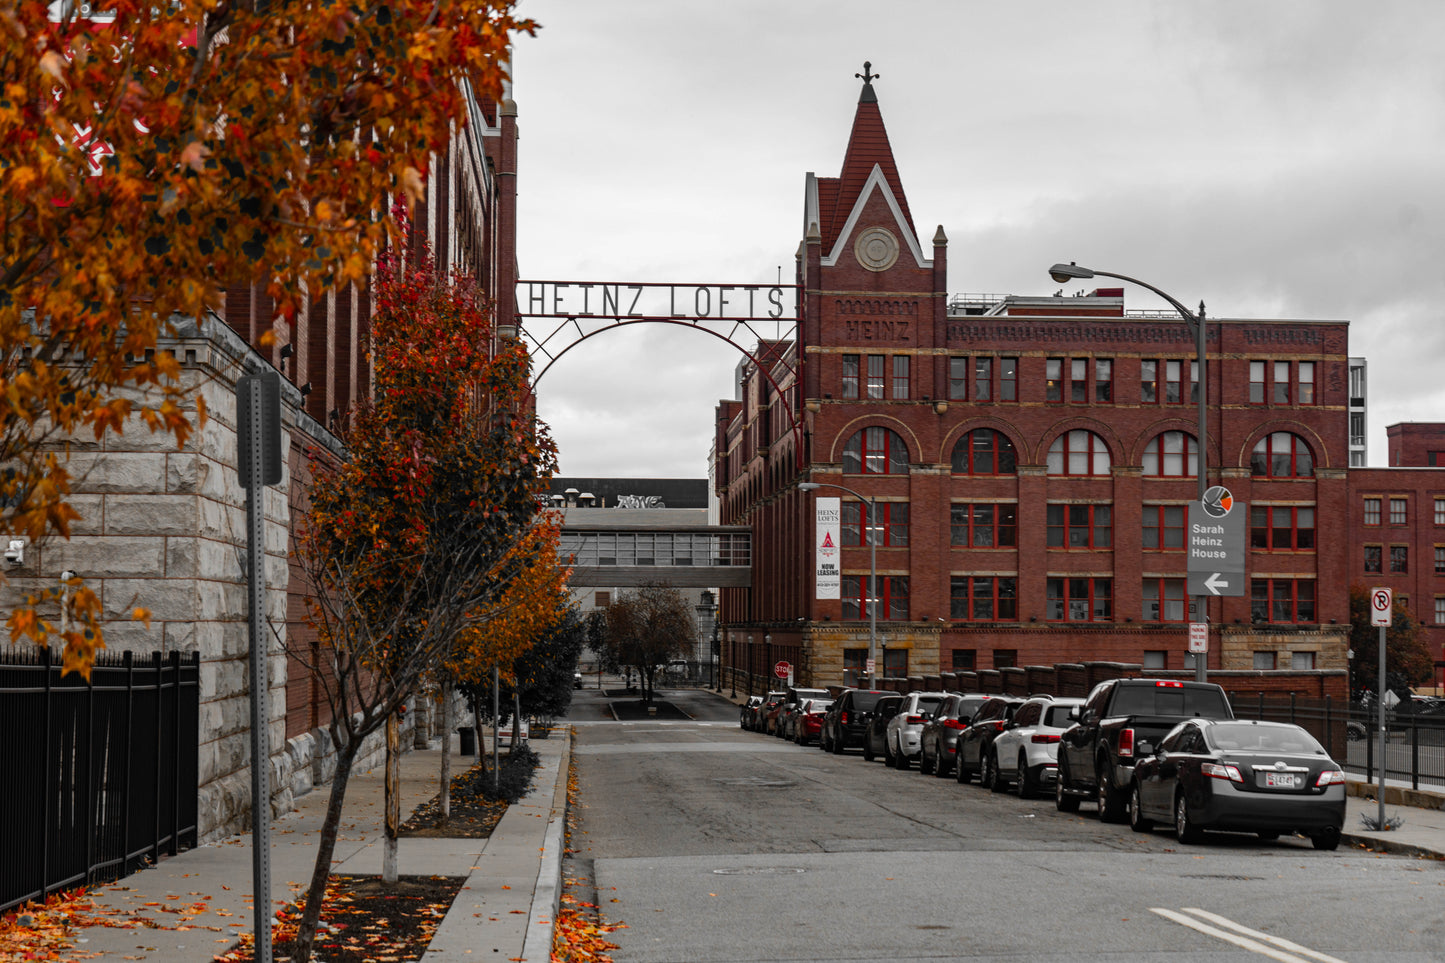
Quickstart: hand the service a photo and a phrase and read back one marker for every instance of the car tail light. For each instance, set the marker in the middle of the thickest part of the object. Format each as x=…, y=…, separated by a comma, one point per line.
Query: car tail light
x=843, y=718
x=1166, y=684
x=1126, y=743
x=954, y=724
x=998, y=726
x=915, y=720
x=1329, y=777
x=1216, y=771
x=1044, y=738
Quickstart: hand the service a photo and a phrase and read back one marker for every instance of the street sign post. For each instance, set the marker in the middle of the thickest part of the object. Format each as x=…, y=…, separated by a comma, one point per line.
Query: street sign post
x=783, y=670
x=1199, y=637
x=1215, y=544
x=1382, y=608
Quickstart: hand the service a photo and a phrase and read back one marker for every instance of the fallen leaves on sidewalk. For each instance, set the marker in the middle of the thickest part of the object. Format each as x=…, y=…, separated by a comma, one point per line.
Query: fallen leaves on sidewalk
x=47, y=929
x=578, y=937
x=364, y=919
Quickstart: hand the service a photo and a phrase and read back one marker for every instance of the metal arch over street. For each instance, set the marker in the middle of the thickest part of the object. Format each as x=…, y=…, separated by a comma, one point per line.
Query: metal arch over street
x=613, y=305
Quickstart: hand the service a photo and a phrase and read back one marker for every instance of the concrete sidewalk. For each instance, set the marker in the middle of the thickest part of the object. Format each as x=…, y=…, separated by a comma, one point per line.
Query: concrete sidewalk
x=505, y=910
x=1422, y=811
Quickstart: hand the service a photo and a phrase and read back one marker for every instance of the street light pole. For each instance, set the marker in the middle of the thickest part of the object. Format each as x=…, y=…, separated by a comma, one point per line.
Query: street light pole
x=872, y=600
x=1063, y=273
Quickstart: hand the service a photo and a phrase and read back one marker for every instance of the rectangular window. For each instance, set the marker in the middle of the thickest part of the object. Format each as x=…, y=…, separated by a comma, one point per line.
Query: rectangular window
x=1372, y=511
x=877, y=364
x=1440, y=511
x=1103, y=381
x=964, y=660
x=1054, y=380
x=1256, y=382
x=1164, y=600
x=1174, y=382
x=1008, y=379
x=895, y=663
x=1302, y=661
x=983, y=598
x=900, y=377
x=602, y=600
x=855, y=666
x=890, y=528
x=1399, y=511
x=1164, y=527
x=1005, y=658
x=1156, y=659
x=892, y=601
x=1079, y=381
x=1079, y=599
x=984, y=526
x=1149, y=382
x=1282, y=600
x=850, y=376
x=1440, y=610
x=1305, y=383
x=1264, y=660
x=1373, y=558
x=1440, y=559
x=958, y=378
x=980, y=380
x=1079, y=526
x=1357, y=429
x=1281, y=383
x=1399, y=558
x=1282, y=528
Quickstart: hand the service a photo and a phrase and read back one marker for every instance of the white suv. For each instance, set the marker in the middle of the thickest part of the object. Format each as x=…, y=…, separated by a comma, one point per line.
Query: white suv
x=900, y=741
x=1026, y=753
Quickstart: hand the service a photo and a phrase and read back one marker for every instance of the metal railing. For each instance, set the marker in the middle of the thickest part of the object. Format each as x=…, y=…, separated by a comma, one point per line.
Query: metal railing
x=102, y=775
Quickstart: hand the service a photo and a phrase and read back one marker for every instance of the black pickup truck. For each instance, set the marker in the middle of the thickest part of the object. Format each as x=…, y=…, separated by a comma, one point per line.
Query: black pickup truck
x=1122, y=719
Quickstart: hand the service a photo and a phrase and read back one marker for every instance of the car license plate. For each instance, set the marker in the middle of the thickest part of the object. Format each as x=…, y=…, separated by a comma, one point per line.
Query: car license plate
x=1281, y=780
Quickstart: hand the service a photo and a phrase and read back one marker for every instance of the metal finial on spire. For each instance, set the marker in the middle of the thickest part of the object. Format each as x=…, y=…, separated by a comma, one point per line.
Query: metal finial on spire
x=865, y=76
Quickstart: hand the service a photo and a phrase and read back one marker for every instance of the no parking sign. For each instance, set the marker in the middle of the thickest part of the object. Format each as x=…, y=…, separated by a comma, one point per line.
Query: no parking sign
x=1382, y=605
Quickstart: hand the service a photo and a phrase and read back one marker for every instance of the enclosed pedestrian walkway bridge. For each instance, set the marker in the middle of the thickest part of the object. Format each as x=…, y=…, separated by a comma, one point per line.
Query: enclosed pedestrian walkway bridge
x=628, y=548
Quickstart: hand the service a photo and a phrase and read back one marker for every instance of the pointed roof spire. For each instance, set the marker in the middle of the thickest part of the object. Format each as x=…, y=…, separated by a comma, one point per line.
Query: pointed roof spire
x=867, y=147
x=867, y=96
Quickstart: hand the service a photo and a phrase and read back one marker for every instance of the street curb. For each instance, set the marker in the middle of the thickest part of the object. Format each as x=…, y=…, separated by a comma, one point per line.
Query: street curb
x=1378, y=845
x=542, y=923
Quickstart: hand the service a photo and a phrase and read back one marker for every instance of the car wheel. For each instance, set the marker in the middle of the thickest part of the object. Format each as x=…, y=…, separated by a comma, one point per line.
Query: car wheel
x=986, y=775
x=1063, y=802
x=889, y=759
x=838, y=745
x=1027, y=786
x=901, y=760
x=1137, y=822
x=1184, y=829
x=868, y=754
x=925, y=765
x=999, y=783
x=941, y=768
x=1111, y=801
x=1327, y=839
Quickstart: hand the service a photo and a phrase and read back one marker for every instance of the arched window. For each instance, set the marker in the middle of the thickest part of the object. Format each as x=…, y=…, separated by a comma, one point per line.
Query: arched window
x=984, y=451
x=1282, y=454
x=1165, y=455
x=875, y=451
x=1078, y=452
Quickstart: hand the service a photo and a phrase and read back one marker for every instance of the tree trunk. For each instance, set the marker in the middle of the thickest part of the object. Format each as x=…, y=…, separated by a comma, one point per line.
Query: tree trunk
x=393, y=798
x=325, y=849
x=445, y=791
x=516, y=723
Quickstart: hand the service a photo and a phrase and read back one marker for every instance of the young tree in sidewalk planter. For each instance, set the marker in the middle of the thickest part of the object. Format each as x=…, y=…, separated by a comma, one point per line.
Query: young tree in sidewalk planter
x=418, y=534
x=646, y=628
x=160, y=152
x=1407, y=656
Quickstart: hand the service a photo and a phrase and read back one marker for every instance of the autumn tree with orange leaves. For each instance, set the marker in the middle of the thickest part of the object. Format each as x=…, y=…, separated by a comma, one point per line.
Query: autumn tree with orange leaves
x=156, y=154
x=423, y=530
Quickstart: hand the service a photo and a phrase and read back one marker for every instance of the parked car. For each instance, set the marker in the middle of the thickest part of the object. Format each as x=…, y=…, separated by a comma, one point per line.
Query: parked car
x=1266, y=778
x=847, y=718
x=875, y=736
x=808, y=723
x=1025, y=755
x=974, y=745
x=1119, y=719
x=770, y=702
x=787, y=719
x=576, y=680
x=940, y=732
x=748, y=711
x=901, y=746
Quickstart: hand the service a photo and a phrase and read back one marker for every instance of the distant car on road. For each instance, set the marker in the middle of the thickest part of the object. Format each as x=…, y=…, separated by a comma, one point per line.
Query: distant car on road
x=808, y=722
x=1266, y=778
x=937, y=743
x=1026, y=754
x=901, y=746
x=847, y=718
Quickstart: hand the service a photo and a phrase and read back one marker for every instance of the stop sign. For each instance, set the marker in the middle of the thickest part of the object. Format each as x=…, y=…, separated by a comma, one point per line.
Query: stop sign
x=783, y=669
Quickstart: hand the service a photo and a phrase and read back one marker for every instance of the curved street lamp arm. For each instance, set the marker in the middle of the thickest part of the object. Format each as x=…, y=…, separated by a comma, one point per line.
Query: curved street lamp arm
x=1190, y=318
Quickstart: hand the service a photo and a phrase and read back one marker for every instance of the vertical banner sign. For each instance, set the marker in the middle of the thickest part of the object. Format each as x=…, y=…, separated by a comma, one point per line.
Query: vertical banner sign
x=258, y=462
x=829, y=523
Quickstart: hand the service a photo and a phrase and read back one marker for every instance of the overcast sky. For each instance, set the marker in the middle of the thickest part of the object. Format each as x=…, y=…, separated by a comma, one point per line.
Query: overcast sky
x=1281, y=159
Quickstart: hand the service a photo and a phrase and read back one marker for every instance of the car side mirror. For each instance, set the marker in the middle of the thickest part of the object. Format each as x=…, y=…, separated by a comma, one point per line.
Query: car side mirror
x=1074, y=713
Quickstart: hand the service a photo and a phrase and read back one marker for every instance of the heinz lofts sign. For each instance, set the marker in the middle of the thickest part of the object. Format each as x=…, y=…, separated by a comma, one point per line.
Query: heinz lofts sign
x=616, y=299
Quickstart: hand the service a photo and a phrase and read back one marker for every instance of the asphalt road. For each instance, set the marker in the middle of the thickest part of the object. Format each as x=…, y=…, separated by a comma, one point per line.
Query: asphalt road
x=714, y=844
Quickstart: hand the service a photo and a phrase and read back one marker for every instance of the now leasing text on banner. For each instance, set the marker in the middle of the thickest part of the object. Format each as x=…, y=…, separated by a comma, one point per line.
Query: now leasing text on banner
x=829, y=558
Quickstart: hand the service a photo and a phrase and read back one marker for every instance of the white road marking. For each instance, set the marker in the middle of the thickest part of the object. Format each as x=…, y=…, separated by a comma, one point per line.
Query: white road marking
x=1263, y=943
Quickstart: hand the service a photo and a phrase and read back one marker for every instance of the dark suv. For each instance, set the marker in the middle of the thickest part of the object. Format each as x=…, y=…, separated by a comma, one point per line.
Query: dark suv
x=848, y=718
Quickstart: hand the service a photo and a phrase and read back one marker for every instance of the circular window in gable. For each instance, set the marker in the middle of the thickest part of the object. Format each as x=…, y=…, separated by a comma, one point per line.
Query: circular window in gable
x=876, y=249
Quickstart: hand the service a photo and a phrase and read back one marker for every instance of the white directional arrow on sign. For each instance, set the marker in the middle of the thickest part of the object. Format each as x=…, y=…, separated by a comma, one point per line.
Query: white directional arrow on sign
x=1214, y=583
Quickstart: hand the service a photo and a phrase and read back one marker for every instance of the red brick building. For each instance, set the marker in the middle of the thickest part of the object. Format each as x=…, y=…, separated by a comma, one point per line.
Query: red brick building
x=1031, y=457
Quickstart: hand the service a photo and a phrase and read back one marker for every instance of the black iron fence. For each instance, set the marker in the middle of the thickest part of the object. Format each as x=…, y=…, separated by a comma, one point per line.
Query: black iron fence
x=101, y=775
x=1414, y=743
